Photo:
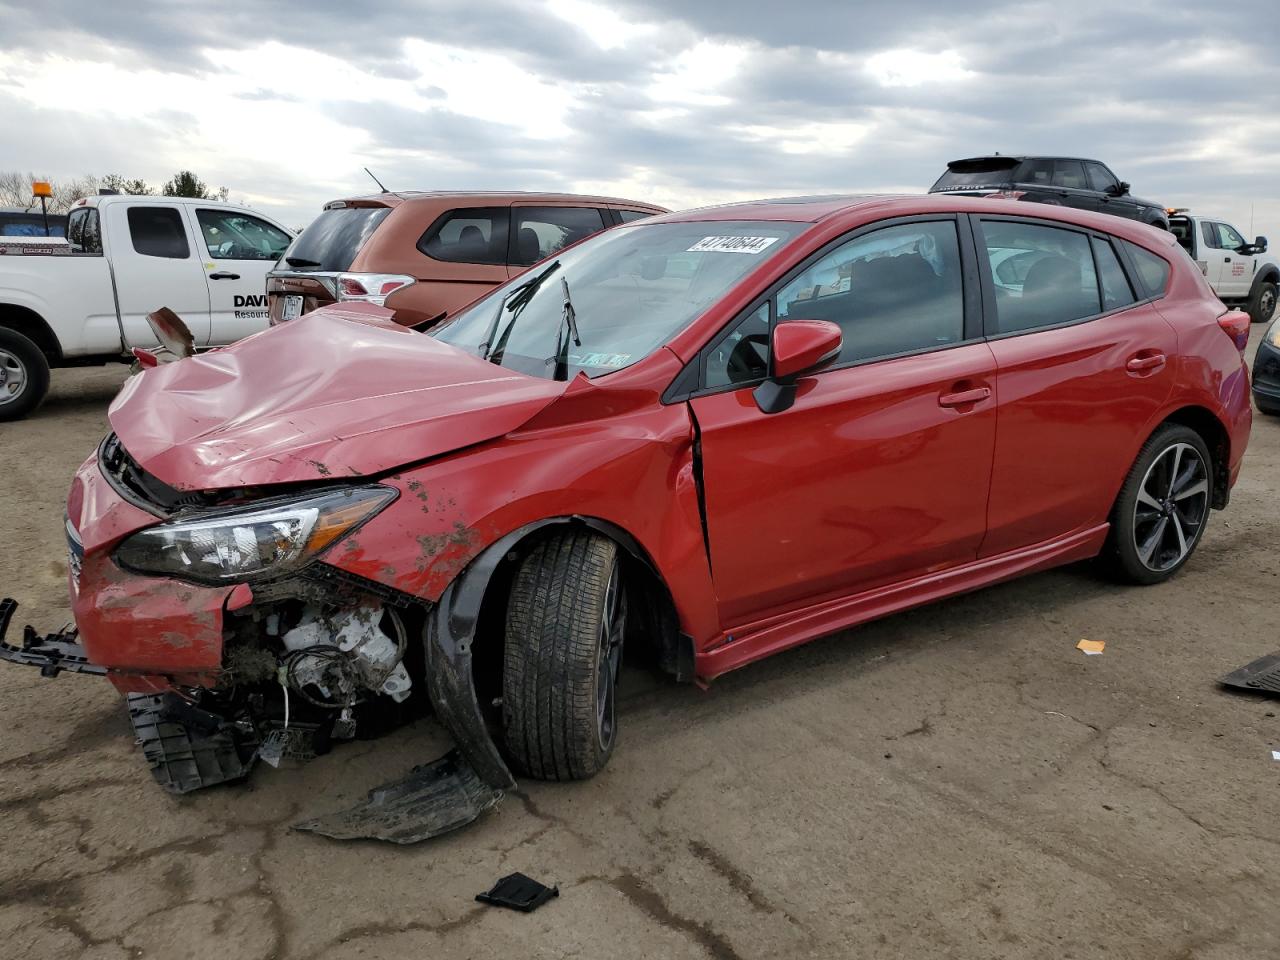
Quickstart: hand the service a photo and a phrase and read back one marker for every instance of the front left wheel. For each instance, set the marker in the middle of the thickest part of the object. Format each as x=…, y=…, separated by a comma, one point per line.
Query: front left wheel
x=1163, y=507
x=566, y=618
x=1262, y=305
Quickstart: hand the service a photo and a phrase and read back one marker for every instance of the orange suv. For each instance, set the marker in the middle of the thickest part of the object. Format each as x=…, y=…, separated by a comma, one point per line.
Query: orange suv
x=425, y=255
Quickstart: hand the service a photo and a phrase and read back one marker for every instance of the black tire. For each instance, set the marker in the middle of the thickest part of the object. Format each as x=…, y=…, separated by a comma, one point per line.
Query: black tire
x=23, y=365
x=1262, y=302
x=566, y=617
x=1173, y=521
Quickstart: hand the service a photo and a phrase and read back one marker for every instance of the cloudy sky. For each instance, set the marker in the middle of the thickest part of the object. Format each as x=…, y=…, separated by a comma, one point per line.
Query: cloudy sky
x=681, y=103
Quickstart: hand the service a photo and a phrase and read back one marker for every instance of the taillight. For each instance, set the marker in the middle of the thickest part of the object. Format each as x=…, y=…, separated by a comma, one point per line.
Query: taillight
x=1006, y=195
x=371, y=287
x=1235, y=324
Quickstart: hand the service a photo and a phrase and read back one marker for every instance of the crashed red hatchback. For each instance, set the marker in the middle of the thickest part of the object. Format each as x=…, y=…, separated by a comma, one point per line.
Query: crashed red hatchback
x=714, y=434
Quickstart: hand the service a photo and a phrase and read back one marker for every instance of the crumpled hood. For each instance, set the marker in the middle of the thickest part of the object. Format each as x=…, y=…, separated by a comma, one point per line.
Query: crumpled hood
x=339, y=392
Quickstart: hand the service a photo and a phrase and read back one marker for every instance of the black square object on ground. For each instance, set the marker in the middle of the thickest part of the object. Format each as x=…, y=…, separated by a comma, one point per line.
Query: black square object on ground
x=1261, y=676
x=518, y=892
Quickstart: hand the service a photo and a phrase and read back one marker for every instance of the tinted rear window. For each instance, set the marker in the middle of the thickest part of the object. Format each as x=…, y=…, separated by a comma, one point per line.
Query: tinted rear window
x=1153, y=271
x=971, y=174
x=333, y=239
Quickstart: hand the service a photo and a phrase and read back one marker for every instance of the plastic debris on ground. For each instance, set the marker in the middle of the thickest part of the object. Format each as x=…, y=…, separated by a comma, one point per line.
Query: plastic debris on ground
x=1260, y=676
x=518, y=892
x=1091, y=648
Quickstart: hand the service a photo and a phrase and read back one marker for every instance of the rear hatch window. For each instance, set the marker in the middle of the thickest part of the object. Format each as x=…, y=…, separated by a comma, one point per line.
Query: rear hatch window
x=333, y=239
x=982, y=173
x=1181, y=228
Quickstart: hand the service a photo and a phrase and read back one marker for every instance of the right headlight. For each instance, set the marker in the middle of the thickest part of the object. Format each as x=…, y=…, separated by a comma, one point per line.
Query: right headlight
x=245, y=544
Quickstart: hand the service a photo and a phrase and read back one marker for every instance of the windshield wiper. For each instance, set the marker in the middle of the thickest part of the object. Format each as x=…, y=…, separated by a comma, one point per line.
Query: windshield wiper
x=569, y=324
x=515, y=300
x=301, y=262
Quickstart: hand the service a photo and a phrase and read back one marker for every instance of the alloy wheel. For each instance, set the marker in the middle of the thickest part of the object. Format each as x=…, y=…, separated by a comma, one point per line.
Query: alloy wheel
x=609, y=656
x=1173, y=501
x=13, y=377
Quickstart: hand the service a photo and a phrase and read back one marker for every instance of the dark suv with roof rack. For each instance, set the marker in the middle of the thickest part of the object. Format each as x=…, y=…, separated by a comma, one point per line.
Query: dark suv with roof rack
x=1061, y=181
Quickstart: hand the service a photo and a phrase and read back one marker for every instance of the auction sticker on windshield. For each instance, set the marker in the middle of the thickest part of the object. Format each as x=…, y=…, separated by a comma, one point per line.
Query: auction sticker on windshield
x=732, y=245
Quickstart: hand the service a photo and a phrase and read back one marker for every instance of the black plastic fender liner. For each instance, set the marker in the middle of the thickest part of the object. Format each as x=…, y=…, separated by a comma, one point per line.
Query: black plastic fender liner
x=451, y=628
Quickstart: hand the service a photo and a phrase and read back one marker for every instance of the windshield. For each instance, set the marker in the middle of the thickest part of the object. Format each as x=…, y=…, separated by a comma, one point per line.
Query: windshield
x=633, y=288
x=333, y=239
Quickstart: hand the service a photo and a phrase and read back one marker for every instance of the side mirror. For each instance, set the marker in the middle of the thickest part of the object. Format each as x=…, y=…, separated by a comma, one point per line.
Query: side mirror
x=1260, y=244
x=1123, y=188
x=798, y=348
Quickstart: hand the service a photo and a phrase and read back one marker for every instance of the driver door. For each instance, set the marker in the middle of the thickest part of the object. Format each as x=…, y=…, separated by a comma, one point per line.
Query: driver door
x=880, y=470
x=237, y=250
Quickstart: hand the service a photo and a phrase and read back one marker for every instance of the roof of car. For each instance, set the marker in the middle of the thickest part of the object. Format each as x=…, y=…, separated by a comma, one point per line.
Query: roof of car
x=808, y=209
x=396, y=197
x=1019, y=157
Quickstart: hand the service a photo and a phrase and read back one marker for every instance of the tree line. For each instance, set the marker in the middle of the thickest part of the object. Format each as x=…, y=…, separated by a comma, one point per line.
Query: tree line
x=15, y=188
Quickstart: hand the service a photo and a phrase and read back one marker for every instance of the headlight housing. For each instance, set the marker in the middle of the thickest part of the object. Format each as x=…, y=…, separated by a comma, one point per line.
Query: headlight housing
x=1273, y=335
x=245, y=544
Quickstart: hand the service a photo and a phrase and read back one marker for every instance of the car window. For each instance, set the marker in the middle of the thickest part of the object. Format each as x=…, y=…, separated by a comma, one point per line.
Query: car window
x=891, y=291
x=1228, y=238
x=1153, y=271
x=541, y=231
x=741, y=356
x=472, y=235
x=229, y=235
x=158, y=232
x=83, y=230
x=1070, y=174
x=1055, y=281
x=632, y=288
x=1116, y=291
x=332, y=240
x=627, y=216
x=1180, y=227
x=1209, y=234
x=1036, y=171
x=1100, y=177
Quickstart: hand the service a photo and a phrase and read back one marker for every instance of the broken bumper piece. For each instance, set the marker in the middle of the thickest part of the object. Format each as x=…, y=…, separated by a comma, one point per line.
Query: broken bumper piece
x=52, y=653
x=433, y=799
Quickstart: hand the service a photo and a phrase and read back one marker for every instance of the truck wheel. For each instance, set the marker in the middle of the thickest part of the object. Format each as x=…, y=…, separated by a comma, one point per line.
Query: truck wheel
x=24, y=375
x=565, y=622
x=1262, y=305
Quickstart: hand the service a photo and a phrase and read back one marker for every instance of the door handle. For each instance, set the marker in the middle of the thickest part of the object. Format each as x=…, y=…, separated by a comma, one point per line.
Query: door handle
x=1142, y=362
x=963, y=397
x=224, y=275
x=1226, y=259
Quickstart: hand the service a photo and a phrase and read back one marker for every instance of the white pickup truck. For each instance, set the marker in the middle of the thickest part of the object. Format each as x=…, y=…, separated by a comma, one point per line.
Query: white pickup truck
x=1241, y=274
x=86, y=301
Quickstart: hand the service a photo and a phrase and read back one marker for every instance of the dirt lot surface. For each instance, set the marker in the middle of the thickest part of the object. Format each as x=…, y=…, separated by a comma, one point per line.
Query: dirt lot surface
x=956, y=782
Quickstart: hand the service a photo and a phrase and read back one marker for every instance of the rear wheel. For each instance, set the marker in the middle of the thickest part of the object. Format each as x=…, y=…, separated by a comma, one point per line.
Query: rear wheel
x=24, y=375
x=1262, y=305
x=566, y=618
x=1163, y=507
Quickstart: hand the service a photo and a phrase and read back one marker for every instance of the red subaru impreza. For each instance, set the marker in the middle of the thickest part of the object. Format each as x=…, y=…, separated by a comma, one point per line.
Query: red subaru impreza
x=718, y=434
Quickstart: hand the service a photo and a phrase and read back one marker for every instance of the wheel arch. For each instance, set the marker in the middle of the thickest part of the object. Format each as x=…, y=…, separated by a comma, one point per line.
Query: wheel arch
x=1270, y=273
x=34, y=327
x=461, y=636
x=1215, y=436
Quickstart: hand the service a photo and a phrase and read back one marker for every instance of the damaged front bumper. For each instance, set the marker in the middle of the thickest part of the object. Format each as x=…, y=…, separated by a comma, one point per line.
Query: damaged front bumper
x=51, y=653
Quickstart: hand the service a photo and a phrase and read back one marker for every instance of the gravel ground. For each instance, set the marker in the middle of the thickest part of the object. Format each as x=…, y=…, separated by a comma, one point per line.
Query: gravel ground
x=955, y=782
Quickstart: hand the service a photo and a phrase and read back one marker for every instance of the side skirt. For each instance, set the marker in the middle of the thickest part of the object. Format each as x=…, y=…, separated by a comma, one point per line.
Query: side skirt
x=754, y=641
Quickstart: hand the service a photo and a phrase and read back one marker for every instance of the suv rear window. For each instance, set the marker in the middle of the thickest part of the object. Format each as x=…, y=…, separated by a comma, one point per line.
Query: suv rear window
x=333, y=239
x=468, y=235
x=970, y=174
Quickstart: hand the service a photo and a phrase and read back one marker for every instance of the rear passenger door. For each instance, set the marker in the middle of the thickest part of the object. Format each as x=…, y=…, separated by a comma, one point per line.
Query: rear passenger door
x=539, y=231
x=1073, y=186
x=157, y=263
x=1083, y=361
